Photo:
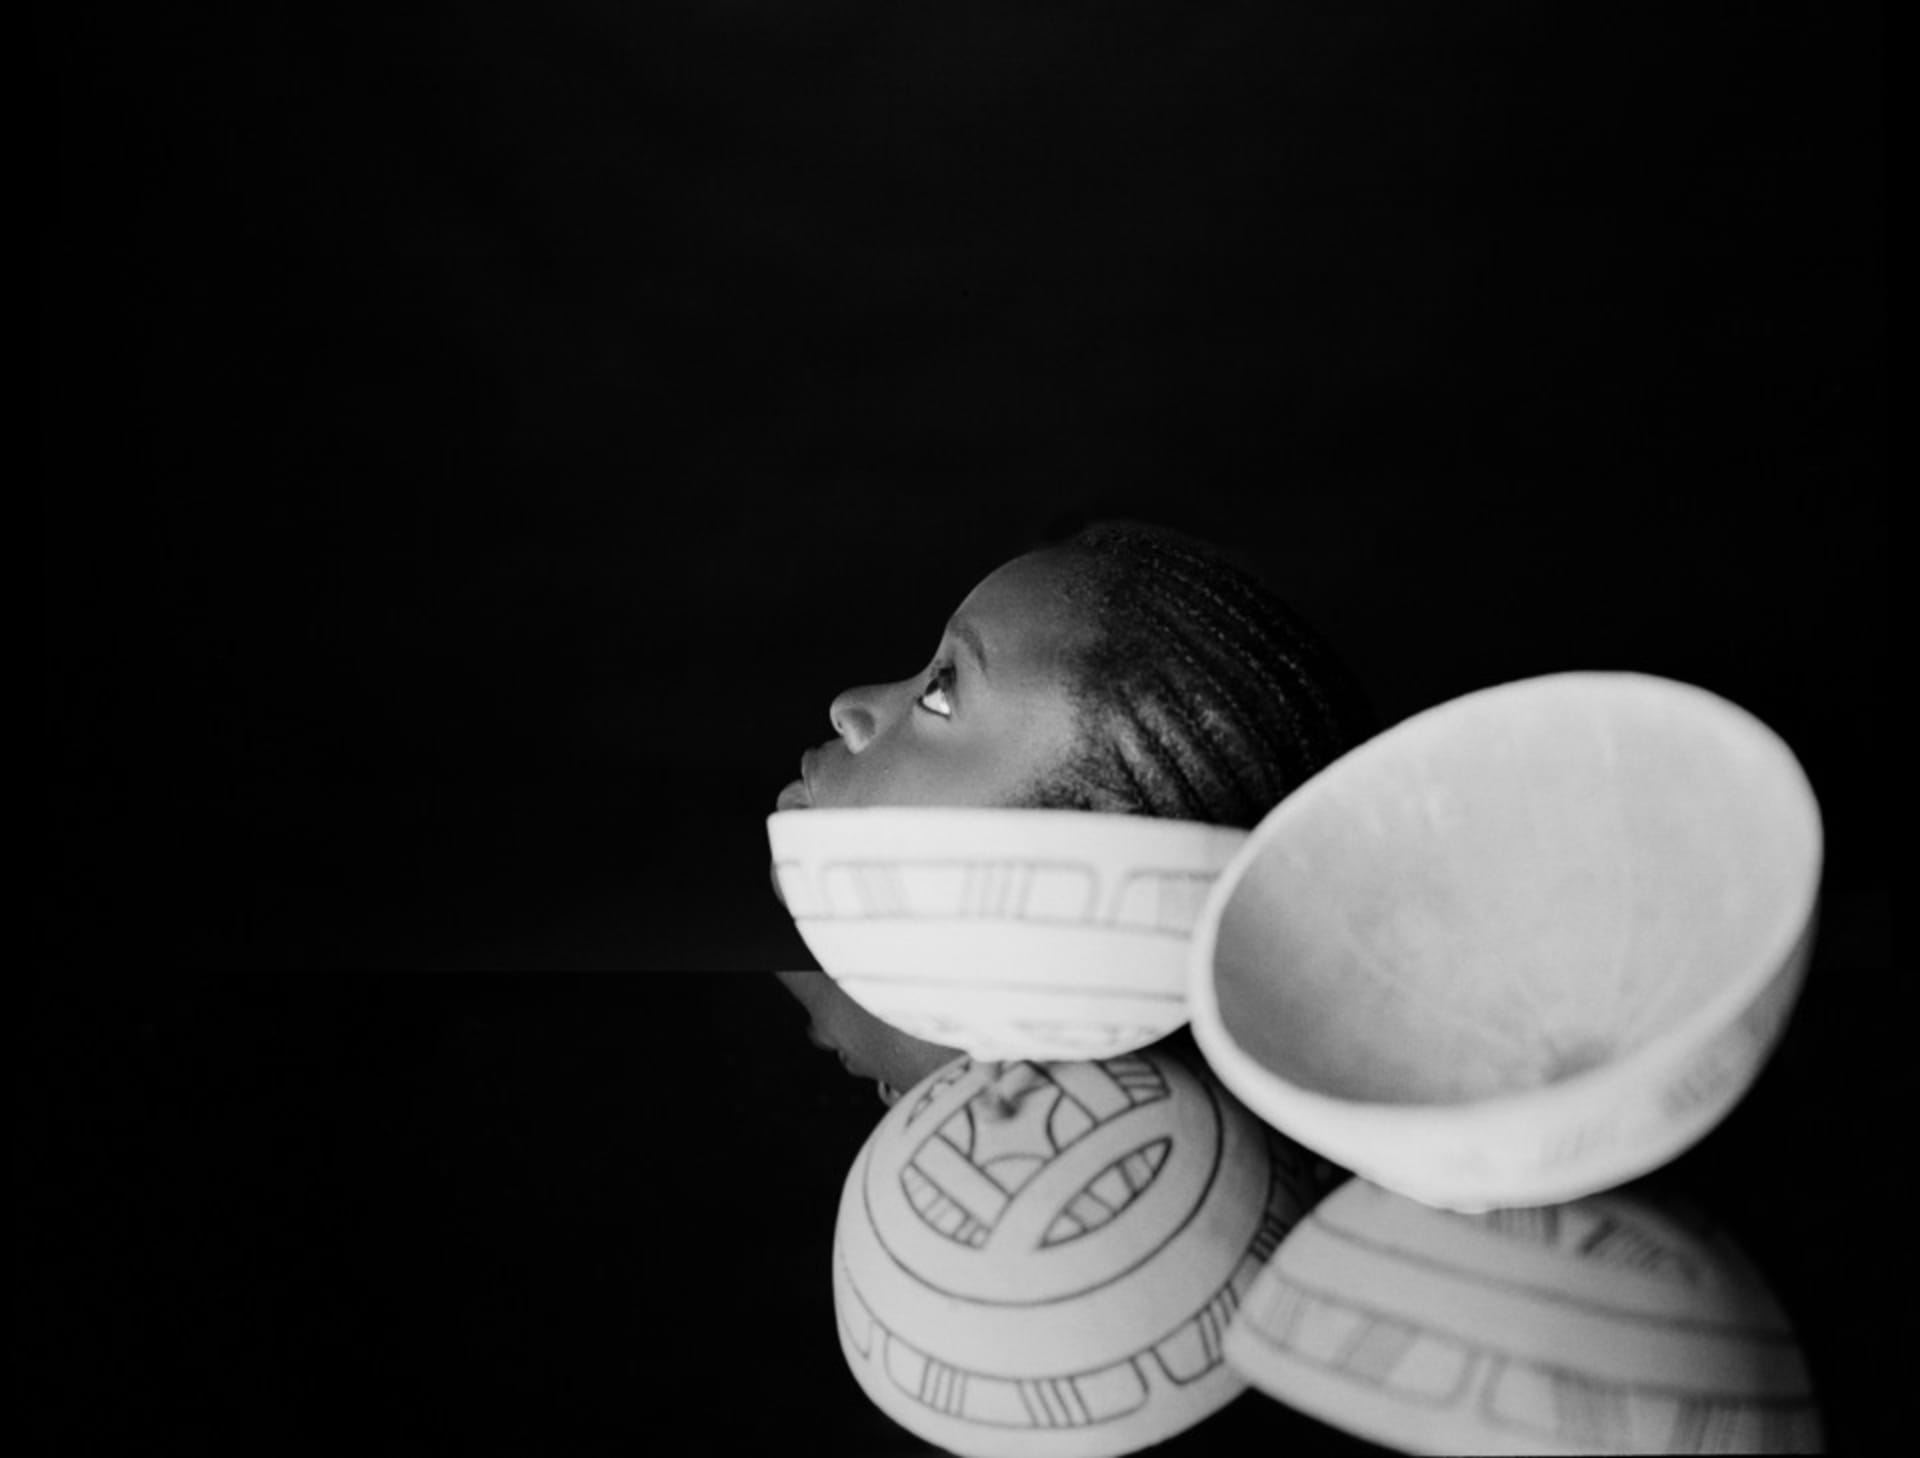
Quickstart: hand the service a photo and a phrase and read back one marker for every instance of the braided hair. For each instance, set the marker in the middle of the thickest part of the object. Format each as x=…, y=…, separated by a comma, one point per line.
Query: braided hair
x=1201, y=696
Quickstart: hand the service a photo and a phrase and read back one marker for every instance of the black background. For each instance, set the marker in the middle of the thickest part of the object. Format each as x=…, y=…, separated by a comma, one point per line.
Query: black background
x=477, y=440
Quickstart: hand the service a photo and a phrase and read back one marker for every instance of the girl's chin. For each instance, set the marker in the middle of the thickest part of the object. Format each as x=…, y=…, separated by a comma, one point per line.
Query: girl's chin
x=907, y=1074
x=896, y=1076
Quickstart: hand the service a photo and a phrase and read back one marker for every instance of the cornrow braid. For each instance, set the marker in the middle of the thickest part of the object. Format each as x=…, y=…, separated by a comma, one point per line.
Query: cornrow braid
x=1162, y=728
x=1281, y=640
x=1200, y=694
x=1233, y=780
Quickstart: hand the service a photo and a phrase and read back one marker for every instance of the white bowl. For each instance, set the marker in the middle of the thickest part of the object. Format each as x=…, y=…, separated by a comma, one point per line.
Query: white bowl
x=1522, y=947
x=1055, y=1282
x=1009, y=934
x=1610, y=1325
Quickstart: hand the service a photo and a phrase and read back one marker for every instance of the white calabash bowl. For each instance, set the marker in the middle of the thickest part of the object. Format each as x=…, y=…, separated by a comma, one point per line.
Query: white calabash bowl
x=1607, y=1325
x=1523, y=947
x=1056, y=1282
x=1009, y=934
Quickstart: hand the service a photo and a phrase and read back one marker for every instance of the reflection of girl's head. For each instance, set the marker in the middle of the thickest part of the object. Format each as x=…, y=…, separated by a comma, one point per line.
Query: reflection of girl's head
x=1128, y=669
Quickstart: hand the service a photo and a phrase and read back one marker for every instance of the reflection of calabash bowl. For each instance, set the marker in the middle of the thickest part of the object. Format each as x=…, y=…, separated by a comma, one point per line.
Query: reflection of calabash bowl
x=1057, y=1280
x=1602, y=1326
x=1006, y=933
x=1522, y=947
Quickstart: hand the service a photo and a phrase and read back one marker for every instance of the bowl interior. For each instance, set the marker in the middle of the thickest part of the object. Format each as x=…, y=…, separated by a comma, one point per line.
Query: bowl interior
x=1515, y=888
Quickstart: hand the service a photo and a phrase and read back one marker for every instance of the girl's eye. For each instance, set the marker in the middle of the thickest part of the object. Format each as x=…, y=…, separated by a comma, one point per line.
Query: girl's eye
x=937, y=696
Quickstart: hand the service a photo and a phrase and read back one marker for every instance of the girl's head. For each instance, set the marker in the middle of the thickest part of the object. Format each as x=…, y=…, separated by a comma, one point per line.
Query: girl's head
x=1128, y=669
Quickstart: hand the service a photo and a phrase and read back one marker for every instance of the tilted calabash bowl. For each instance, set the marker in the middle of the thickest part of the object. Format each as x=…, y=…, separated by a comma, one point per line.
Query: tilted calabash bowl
x=1040, y=1260
x=1010, y=934
x=1521, y=947
x=1613, y=1324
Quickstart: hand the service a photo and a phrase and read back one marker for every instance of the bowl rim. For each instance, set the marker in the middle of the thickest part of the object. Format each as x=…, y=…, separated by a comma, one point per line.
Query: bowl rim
x=971, y=819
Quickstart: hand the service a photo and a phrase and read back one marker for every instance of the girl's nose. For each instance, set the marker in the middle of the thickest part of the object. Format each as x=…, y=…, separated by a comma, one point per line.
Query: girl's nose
x=855, y=716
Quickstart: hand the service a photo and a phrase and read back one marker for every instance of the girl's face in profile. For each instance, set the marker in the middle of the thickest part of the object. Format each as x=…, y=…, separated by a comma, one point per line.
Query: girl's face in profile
x=991, y=715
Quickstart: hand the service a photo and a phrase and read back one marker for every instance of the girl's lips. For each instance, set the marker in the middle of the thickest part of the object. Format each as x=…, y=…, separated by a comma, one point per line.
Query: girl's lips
x=826, y=1045
x=849, y=1065
x=799, y=794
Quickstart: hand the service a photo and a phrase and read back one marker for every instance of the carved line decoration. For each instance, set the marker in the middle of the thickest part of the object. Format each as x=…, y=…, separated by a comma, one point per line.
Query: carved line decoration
x=1605, y=1241
x=1190, y=1352
x=965, y=1174
x=1158, y=902
x=1375, y=1349
x=1105, y=1092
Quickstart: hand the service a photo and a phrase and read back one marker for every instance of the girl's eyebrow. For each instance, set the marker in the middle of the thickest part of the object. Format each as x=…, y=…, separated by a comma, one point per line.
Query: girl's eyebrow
x=969, y=637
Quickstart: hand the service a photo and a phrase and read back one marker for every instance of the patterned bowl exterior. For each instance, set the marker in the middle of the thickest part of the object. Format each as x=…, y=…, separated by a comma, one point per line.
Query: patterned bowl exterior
x=1009, y=934
x=1602, y=1326
x=1054, y=1275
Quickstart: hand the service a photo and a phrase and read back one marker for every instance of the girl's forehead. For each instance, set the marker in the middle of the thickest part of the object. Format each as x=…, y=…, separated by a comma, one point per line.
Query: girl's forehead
x=1025, y=605
x=1036, y=576
x=1026, y=628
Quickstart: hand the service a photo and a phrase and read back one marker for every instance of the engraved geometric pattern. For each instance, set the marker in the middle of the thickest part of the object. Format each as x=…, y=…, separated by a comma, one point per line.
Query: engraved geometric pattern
x=1409, y=1363
x=1162, y=902
x=1533, y=1400
x=1108, y=1193
x=965, y=1175
x=1074, y=1400
x=1593, y=1234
